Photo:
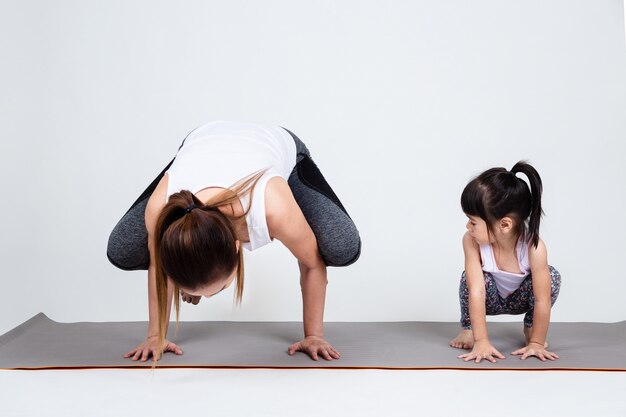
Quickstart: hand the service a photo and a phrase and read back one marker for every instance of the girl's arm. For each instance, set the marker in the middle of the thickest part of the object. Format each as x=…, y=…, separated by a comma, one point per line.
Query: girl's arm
x=542, y=289
x=476, y=287
x=287, y=224
x=542, y=284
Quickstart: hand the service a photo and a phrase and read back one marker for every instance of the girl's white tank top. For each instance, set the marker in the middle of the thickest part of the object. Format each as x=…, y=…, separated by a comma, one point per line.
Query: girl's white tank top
x=219, y=154
x=506, y=282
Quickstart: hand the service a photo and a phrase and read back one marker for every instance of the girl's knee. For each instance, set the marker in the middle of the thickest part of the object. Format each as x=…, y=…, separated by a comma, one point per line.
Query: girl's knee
x=555, y=275
x=555, y=286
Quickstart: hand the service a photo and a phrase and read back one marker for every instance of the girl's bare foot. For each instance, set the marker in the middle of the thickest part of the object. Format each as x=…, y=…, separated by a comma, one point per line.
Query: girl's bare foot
x=527, y=331
x=464, y=340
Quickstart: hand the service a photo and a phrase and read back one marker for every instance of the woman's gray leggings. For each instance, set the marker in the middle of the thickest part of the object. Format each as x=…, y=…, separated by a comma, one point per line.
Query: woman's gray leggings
x=337, y=237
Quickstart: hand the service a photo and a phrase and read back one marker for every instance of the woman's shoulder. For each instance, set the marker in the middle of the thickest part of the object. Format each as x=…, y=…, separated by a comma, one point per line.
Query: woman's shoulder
x=278, y=198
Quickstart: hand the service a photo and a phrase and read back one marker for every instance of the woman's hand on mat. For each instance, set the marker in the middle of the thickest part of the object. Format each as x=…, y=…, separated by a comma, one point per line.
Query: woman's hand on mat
x=535, y=349
x=482, y=350
x=315, y=346
x=193, y=299
x=150, y=347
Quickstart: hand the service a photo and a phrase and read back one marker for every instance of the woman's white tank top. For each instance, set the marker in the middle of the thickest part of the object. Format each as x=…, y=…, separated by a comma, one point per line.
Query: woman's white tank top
x=506, y=282
x=219, y=154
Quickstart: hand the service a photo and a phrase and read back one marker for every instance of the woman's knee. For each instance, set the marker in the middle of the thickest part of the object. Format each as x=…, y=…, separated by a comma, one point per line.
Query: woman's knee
x=341, y=251
x=127, y=246
x=127, y=254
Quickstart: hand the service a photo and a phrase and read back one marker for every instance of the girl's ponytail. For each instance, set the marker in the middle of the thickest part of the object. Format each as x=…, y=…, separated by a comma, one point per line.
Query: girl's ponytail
x=536, y=188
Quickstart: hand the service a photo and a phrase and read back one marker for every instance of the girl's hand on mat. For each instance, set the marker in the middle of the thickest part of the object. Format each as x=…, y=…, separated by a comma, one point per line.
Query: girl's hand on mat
x=315, y=346
x=193, y=299
x=535, y=349
x=482, y=350
x=150, y=348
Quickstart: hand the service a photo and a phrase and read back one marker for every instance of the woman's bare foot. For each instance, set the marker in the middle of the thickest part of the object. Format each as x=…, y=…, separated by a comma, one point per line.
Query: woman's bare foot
x=527, y=331
x=464, y=340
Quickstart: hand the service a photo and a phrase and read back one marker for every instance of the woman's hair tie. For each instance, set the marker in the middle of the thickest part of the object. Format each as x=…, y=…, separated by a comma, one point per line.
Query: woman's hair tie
x=190, y=207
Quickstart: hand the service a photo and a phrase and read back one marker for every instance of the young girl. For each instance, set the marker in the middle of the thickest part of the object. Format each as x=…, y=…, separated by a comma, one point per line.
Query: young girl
x=233, y=185
x=506, y=263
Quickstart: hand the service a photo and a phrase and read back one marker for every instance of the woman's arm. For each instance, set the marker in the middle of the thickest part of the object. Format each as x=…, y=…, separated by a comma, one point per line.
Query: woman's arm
x=150, y=345
x=287, y=224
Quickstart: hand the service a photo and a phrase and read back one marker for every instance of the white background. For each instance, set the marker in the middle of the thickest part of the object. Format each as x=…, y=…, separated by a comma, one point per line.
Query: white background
x=401, y=104
x=333, y=393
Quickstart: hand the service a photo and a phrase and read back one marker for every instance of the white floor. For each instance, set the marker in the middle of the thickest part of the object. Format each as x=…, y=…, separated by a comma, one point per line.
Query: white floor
x=297, y=393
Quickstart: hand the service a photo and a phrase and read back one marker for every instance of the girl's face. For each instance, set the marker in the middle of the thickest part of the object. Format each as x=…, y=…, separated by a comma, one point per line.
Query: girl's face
x=477, y=228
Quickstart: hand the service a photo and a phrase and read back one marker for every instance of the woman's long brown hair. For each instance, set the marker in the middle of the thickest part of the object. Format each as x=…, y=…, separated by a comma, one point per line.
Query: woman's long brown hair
x=195, y=245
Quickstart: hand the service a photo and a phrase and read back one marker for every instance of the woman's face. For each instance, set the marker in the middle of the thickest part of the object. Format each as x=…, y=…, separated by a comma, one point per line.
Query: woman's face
x=214, y=288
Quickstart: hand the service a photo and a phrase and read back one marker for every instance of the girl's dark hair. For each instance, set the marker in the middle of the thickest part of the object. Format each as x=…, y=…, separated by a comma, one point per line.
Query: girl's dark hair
x=497, y=193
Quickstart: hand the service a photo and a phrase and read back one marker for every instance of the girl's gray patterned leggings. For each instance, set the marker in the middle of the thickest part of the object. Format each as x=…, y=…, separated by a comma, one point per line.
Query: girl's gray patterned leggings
x=522, y=301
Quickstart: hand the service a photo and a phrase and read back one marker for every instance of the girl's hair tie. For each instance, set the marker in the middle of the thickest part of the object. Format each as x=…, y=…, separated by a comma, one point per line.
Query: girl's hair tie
x=190, y=207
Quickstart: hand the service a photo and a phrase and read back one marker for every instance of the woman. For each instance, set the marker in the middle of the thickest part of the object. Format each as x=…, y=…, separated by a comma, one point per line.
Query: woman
x=233, y=185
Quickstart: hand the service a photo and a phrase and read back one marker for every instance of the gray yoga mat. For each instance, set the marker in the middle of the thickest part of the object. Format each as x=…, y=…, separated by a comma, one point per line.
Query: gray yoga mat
x=41, y=343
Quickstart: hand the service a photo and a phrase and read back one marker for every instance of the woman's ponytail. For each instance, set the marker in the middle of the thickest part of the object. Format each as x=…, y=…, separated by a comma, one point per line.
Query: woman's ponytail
x=172, y=212
x=536, y=188
x=195, y=244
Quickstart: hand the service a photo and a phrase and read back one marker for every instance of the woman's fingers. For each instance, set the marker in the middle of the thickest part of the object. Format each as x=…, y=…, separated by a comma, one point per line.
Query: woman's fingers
x=171, y=347
x=326, y=354
x=145, y=355
x=334, y=353
x=137, y=354
x=293, y=348
x=315, y=349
